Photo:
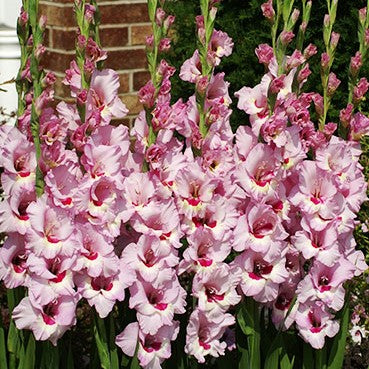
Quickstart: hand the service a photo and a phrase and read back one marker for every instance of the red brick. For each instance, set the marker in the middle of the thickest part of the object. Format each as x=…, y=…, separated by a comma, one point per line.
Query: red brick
x=57, y=16
x=61, y=90
x=47, y=37
x=126, y=59
x=132, y=103
x=124, y=83
x=140, y=79
x=55, y=61
x=123, y=13
x=111, y=37
x=63, y=39
x=139, y=33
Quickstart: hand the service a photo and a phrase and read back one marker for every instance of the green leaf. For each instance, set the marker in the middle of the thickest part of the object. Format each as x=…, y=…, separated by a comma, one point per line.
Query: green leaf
x=308, y=357
x=112, y=346
x=3, y=359
x=101, y=342
x=272, y=357
x=152, y=5
x=49, y=356
x=321, y=358
x=30, y=353
x=285, y=361
x=337, y=353
x=248, y=318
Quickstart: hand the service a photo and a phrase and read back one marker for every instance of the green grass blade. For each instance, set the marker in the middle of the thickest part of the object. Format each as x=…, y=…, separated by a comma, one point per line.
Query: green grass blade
x=308, y=361
x=101, y=342
x=30, y=357
x=114, y=360
x=336, y=356
x=3, y=357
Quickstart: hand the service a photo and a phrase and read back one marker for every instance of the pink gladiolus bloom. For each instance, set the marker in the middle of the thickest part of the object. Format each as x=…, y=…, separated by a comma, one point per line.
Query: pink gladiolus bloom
x=191, y=68
x=314, y=323
x=204, y=252
x=13, y=262
x=149, y=257
x=51, y=278
x=216, y=288
x=258, y=174
x=261, y=274
x=325, y=283
x=48, y=322
x=204, y=333
x=359, y=126
x=102, y=292
x=319, y=244
x=221, y=44
x=152, y=349
x=156, y=302
x=13, y=212
x=52, y=232
x=103, y=95
x=194, y=190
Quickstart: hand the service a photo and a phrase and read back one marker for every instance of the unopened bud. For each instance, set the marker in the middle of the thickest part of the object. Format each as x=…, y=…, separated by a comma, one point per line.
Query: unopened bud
x=164, y=45
x=160, y=16
x=362, y=15
x=89, y=12
x=324, y=61
x=295, y=15
x=42, y=22
x=268, y=11
x=286, y=37
x=309, y=51
x=213, y=13
x=334, y=39
x=23, y=18
x=327, y=20
x=333, y=83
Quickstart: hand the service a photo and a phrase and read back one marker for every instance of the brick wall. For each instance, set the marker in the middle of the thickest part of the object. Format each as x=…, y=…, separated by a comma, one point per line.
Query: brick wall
x=124, y=26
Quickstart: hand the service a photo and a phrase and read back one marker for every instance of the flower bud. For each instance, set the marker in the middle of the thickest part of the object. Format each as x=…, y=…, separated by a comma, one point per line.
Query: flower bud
x=82, y=97
x=160, y=16
x=23, y=18
x=334, y=39
x=366, y=37
x=360, y=90
x=164, y=45
x=40, y=50
x=150, y=42
x=303, y=27
x=277, y=84
x=42, y=22
x=81, y=41
x=169, y=20
x=324, y=61
x=202, y=84
x=295, y=15
x=89, y=12
x=303, y=74
x=327, y=20
x=268, y=11
x=213, y=13
x=356, y=63
x=346, y=114
x=333, y=83
x=265, y=53
x=309, y=51
x=286, y=37
x=362, y=15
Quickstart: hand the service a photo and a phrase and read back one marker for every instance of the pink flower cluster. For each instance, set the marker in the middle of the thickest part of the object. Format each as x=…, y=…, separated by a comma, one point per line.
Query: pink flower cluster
x=301, y=190
x=60, y=245
x=278, y=198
